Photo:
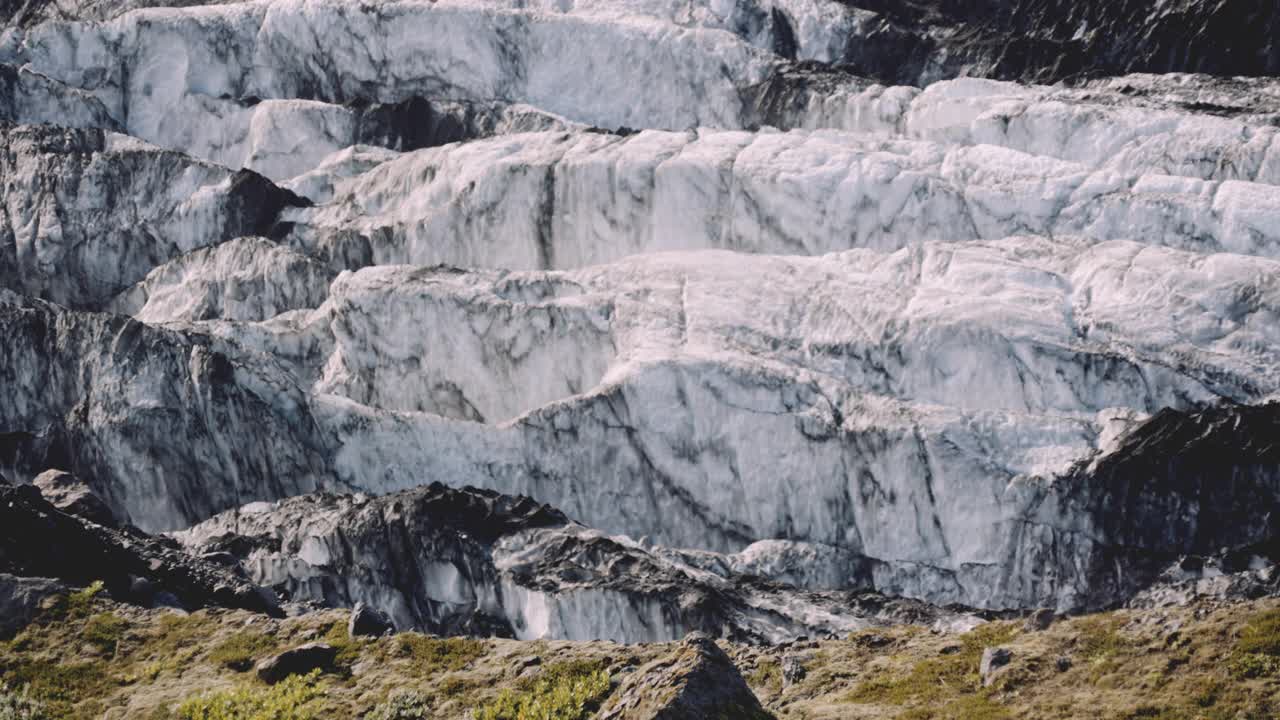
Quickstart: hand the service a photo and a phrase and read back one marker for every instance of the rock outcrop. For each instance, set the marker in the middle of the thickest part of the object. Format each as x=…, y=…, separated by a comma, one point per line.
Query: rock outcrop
x=466, y=561
x=994, y=659
x=368, y=622
x=38, y=540
x=696, y=681
x=296, y=661
x=22, y=598
x=72, y=496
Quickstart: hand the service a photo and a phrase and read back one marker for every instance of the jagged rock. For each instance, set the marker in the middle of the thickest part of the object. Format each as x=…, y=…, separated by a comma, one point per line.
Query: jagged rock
x=992, y=660
x=296, y=661
x=489, y=564
x=1062, y=664
x=524, y=665
x=39, y=540
x=1039, y=620
x=793, y=670
x=697, y=681
x=21, y=599
x=1195, y=579
x=67, y=493
x=368, y=622
x=1038, y=41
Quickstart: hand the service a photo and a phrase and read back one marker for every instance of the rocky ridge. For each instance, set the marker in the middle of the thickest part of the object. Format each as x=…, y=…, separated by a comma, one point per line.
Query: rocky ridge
x=473, y=562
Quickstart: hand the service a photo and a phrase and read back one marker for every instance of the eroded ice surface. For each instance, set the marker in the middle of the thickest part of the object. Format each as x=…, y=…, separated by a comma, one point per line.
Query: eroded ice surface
x=796, y=290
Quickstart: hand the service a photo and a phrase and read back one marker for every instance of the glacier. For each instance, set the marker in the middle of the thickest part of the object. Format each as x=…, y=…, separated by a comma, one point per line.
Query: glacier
x=785, y=305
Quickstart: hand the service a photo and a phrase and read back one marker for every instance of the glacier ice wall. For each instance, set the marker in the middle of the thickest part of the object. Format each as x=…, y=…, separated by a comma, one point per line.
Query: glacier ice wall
x=835, y=294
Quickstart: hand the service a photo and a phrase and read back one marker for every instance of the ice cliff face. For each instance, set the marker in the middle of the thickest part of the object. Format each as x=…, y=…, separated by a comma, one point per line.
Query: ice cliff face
x=89, y=212
x=163, y=424
x=805, y=292
x=879, y=404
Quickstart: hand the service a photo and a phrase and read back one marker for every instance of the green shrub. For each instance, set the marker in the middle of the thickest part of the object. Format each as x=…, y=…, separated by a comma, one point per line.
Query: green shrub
x=1262, y=635
x=291, y=699
x=932, y=680
x=1099, y=638
x=430, y=656
x=61, y=686
x=76, y=605
x=1257, y=652
x=565, y=692
x=404, y=705
x=19, y=705
x=239, y=651
x=1243, y=666
x=104, y=631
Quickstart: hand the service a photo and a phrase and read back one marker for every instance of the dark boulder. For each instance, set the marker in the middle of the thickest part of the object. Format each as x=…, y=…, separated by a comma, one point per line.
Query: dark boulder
x=992, y=660
x=39, y=540
x=1039, y=620
x=1051, y=40
x=298, y=661
x=368, y=622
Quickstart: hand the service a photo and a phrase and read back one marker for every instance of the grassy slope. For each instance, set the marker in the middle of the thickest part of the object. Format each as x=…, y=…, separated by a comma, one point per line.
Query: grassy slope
x=88, y=657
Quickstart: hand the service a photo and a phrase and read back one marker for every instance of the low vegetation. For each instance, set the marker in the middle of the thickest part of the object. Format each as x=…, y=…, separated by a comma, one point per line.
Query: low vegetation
x=767, y=675
x=1175, y=664
x=426, y=656
x=87, y=657
x=105, y=631
x=1257, y=653
x=19, y=705
x=291, y=699
x=941, y=687
x=566, y=691
x=240, y=651
x=402, y=705
x=74, y=606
